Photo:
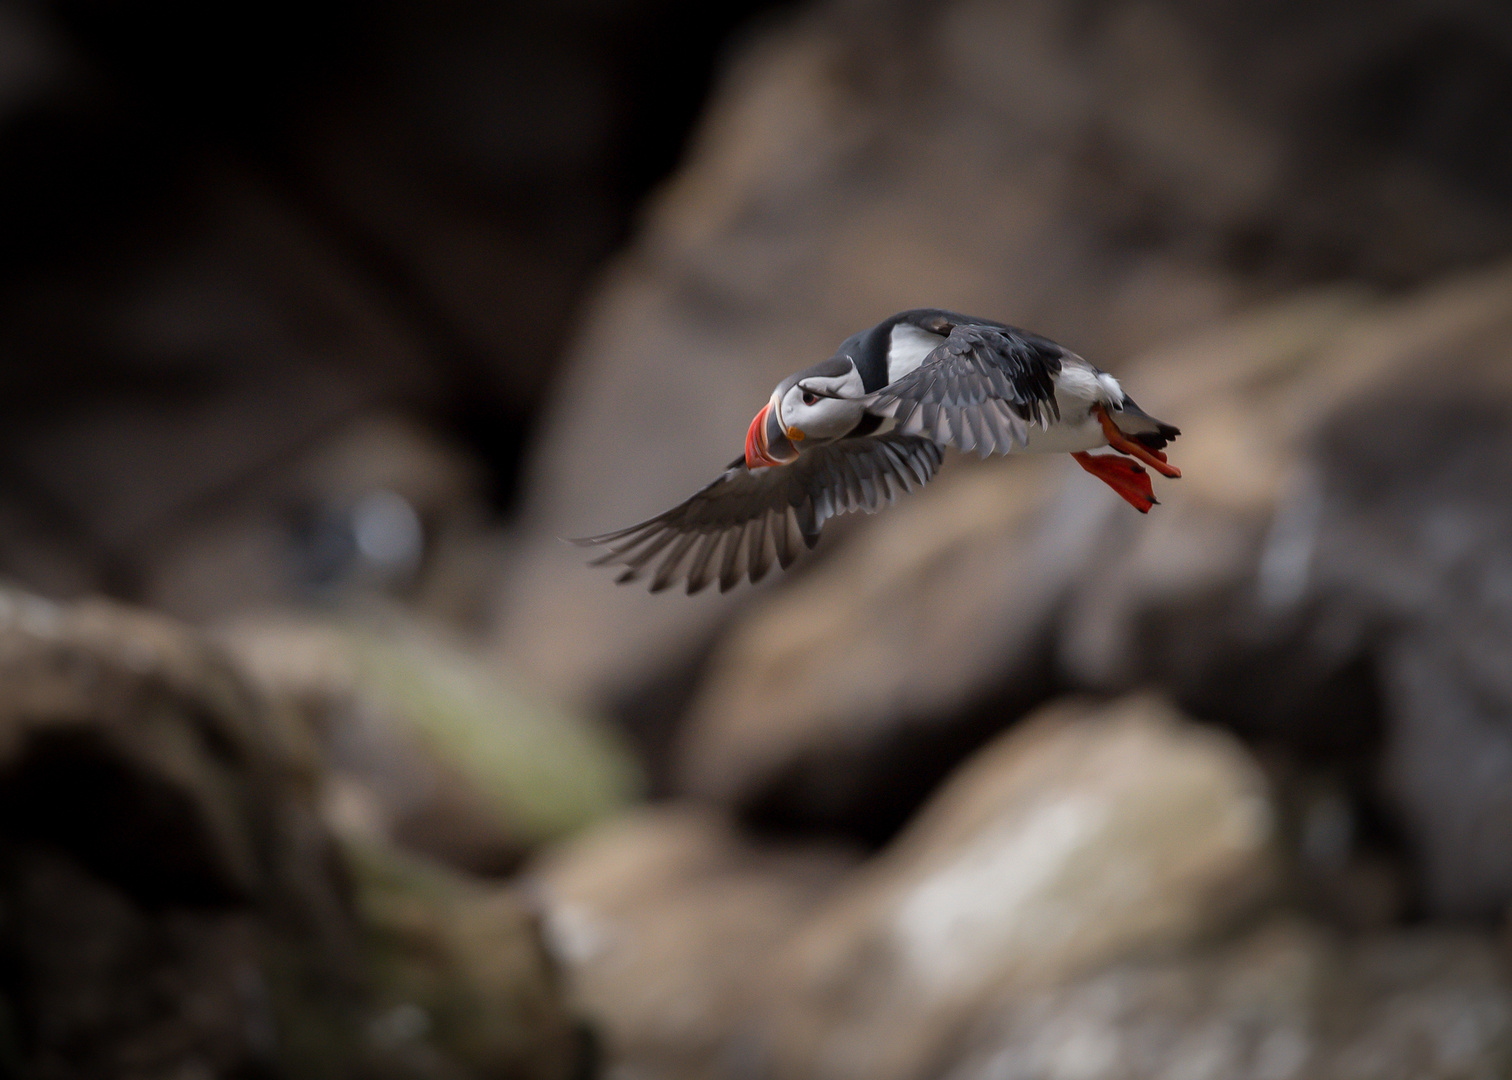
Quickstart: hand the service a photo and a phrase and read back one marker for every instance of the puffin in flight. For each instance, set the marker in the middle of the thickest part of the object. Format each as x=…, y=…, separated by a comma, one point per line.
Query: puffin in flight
x=853, y=431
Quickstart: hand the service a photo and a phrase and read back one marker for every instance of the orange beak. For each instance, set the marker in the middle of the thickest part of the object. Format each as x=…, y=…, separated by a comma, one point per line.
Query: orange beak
x=758, y=453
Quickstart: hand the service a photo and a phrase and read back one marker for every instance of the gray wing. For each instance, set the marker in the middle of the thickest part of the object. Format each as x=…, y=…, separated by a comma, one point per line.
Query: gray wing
x=737, y=525
x=980, y=389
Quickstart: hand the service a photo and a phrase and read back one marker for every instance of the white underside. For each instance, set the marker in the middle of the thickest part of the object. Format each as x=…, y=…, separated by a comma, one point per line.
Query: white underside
x=1077, y=389
x=1070, y=436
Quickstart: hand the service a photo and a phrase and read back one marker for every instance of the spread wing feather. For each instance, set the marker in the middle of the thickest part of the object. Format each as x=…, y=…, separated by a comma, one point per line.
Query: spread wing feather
x=748, y=518
x=978, y=390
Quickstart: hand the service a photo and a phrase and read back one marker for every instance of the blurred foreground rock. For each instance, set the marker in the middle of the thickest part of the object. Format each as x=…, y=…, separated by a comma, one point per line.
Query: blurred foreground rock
x=1286, y=1001
x=1329, y=578
x=1082, y=836
x=426, y=747
x=173, y=905
x=1085, y=836
x=665, y=921
x=462, y=984
x=1098, y=895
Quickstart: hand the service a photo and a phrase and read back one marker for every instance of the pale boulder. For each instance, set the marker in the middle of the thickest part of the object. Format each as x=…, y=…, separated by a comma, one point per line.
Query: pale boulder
x=664, y=922
x=1081, y=837
x=1289, y=1001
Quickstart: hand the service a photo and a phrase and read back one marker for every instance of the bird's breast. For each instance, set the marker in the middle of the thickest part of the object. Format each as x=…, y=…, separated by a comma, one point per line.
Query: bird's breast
x=1075, y=431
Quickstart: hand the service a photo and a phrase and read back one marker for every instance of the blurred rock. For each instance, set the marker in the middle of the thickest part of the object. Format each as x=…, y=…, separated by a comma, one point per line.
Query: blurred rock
x=1413, y=556
x=1109, y=175
x=379, y=507
x=665, y=922
x=171, y=899
x=462, y=984
x=172, y=903
x=1286, y=1001
x=1064, y=908
x=1359, y=589
x=1083, y=836
x=427, y=748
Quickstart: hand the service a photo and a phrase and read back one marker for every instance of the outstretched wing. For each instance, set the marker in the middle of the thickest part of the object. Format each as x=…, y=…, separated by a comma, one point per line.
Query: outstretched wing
x=979, y=389
x=742, y=521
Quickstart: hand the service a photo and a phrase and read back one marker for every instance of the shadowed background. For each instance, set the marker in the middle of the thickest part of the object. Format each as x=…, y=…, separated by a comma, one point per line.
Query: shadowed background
x=320, y=325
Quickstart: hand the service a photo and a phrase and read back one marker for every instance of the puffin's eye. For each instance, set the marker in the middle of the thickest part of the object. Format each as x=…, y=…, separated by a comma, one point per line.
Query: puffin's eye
x=809, y=398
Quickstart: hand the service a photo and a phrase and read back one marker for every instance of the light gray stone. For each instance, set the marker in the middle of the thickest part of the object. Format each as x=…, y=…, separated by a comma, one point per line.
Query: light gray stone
x=1081, y=837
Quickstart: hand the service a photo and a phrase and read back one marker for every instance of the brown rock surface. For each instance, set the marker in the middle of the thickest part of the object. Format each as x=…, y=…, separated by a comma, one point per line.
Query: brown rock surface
x=1286, y=1001
x=173, y=904
x=1079, y=838
x=425, y=747
x=1340, y=520
x=159, y=833
x=461, y=981
x=665, y=922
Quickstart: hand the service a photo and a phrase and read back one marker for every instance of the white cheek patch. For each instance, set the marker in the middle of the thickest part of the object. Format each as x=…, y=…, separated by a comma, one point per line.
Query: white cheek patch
x=837, y=409
x=907, y=348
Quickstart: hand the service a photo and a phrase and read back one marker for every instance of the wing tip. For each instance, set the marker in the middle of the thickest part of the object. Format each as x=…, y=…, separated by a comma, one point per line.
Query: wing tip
x=868, y=474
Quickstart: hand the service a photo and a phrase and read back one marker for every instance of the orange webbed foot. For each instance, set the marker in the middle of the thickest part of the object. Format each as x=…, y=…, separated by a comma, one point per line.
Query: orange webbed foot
x=1122, y=475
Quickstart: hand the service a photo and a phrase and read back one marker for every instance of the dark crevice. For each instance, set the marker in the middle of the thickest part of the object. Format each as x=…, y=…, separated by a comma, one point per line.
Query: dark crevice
x=71, y=790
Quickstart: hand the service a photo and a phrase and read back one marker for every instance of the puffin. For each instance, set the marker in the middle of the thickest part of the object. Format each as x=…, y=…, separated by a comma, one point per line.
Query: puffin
x=853, y=432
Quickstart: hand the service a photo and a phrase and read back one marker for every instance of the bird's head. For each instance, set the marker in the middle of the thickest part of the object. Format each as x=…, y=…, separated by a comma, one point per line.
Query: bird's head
x=815, y=406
